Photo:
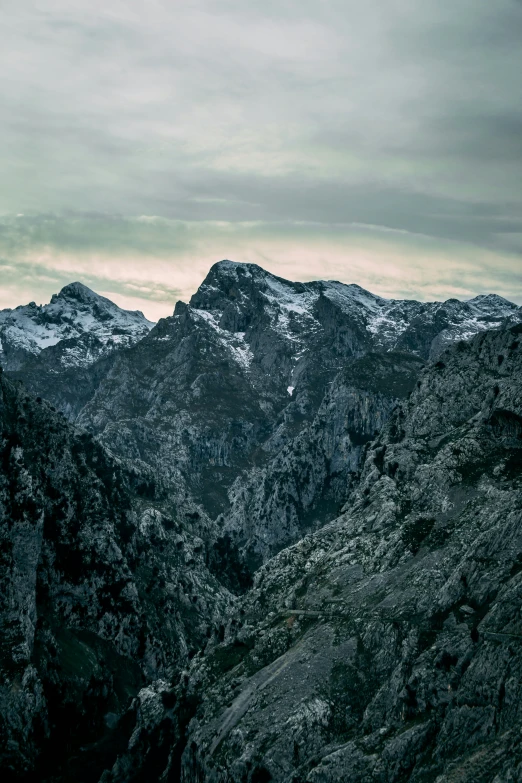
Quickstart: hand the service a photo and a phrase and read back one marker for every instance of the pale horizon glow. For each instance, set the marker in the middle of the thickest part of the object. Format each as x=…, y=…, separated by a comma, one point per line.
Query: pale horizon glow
x=138, y=283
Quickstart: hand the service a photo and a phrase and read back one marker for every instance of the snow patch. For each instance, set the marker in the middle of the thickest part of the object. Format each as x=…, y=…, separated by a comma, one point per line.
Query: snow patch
x=234, y=341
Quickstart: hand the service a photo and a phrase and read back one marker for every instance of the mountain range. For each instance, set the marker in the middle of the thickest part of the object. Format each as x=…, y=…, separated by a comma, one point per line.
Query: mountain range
x=271, y=537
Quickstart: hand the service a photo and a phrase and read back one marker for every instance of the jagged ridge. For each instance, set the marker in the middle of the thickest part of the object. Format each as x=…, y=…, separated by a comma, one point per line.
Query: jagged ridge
x=216, y=396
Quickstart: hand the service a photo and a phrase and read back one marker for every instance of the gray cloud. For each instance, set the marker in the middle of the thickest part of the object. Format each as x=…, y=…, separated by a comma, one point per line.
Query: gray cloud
x=405, y=115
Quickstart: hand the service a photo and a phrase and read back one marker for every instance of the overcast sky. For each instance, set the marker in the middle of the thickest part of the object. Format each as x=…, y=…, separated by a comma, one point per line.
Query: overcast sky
x=371, y=142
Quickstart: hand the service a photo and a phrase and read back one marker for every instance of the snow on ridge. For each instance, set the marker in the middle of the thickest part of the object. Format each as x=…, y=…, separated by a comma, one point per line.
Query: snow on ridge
x=234, y=341
x=209, y=316
x=291, y=306
x=79, y=297
x=492, y=305
x=492, y=298
x=349, y=293
x=242, y=354
x=74, y=312
x=384, y=323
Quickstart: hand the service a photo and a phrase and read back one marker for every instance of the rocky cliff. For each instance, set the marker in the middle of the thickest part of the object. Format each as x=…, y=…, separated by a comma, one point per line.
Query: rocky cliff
x=102, y=590
x=304, y=485
x=388, y=645
x=227, y=400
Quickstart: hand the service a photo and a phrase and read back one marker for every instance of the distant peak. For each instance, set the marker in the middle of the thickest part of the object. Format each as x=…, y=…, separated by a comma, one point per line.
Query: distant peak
x=236, y=266
x=226, y=263
x=491, y=299
x=77, y=291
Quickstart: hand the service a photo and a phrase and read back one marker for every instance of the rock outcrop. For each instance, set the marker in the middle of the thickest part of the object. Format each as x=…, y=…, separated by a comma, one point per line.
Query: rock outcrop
x=102, y=591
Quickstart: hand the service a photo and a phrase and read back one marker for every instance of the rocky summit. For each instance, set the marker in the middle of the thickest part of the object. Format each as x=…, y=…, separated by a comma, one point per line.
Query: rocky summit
x=276, y=536
x=75, y=313
x=55, y=348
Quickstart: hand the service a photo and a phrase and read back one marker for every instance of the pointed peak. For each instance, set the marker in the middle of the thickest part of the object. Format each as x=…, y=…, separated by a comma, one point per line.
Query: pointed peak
x=77, y=291
x=224, y=271
x=225, y=263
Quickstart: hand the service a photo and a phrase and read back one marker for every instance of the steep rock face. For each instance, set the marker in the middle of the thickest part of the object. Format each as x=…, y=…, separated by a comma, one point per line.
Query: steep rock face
x=60, y=350
x=100, y=593
x=387, y=646
x=220, y=398
x=181, y=402
x=303, y=486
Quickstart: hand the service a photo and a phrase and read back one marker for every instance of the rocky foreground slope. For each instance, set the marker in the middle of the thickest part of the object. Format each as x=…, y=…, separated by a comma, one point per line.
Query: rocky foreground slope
x=388, y=645
x=102, y=590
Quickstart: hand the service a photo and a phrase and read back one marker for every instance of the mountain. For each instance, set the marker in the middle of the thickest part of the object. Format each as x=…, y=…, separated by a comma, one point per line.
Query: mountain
x=75, y=313
x=61, y=349
x=254, y=400
x=387, y=645
x=218, y=398
x=275, y=537
x=103, y=592
x=234, y=293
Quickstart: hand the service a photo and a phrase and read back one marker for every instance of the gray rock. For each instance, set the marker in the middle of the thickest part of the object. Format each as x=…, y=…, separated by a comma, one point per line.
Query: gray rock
x=256, y=398
x=97, y=597
x=362, y=661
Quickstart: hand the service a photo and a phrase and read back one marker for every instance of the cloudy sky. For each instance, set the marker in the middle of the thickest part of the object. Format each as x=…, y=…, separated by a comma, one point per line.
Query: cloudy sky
x=370, y=142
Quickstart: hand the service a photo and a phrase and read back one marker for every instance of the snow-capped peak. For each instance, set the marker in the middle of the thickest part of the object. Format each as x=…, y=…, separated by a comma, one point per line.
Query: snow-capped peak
x=79, y=292
x=487, y=303
x=73, y=313
x=238, y=293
